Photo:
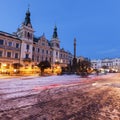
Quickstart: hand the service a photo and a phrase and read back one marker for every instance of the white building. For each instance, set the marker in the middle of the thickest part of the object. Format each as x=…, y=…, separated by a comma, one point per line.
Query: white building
x=113, y=63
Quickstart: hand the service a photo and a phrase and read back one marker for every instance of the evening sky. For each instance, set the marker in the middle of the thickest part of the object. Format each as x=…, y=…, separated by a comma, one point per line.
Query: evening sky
x=94, y=23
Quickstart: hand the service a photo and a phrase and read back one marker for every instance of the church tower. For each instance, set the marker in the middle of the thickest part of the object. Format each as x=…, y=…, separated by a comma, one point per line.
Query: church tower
x=55, y=43
x=25, y=33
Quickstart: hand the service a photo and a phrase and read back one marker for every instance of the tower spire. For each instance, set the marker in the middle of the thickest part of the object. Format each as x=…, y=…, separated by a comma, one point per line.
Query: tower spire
x=27, y=21
x=28, y=6
x=55, y=35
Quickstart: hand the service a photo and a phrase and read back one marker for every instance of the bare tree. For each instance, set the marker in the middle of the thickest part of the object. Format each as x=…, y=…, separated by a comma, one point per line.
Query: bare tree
x=44, y=65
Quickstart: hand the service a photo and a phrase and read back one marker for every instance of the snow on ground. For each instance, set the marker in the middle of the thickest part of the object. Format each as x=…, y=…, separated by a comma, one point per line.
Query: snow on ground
x=22, y=86
x=22, y=91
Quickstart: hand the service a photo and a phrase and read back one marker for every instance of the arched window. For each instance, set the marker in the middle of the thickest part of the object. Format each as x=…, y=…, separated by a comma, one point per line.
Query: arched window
x=28, y=35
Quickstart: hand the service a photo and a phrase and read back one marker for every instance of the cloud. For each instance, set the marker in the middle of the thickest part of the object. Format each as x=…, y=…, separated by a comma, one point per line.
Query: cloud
x=109, y=51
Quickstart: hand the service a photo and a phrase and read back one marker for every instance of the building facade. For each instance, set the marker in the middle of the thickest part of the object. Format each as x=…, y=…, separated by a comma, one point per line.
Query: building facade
x=10, y=51
x=23, y=51
x=108, y=63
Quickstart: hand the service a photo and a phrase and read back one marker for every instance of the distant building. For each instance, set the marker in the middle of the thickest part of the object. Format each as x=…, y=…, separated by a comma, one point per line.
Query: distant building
x=22, y=49
x=113, y=63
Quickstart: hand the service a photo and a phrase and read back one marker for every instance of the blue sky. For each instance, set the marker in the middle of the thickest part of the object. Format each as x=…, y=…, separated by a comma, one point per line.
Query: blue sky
x=94, y=23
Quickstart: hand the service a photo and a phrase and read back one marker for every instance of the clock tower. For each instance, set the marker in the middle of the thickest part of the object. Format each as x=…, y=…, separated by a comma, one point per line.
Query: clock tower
x=25, y=33
x=55, y=43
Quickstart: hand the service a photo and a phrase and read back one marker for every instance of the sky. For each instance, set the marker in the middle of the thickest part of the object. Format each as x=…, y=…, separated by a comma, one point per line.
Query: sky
x=94, y=23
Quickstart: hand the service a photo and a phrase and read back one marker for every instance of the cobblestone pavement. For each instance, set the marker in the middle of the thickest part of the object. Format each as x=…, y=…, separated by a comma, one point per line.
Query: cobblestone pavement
x=95, y=100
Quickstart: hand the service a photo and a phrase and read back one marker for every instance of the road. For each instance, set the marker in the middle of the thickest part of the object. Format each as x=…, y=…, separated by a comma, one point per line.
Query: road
x=60, y=98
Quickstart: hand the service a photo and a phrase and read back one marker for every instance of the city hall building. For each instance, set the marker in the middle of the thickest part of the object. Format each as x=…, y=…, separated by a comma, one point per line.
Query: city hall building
x=21, y=51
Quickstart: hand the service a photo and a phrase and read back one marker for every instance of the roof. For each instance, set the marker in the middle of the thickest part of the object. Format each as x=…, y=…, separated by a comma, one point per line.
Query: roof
x=9, y=35
x=35, y=39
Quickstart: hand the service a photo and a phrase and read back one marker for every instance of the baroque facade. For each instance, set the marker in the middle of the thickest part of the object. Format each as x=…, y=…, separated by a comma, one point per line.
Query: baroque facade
x=23, y=50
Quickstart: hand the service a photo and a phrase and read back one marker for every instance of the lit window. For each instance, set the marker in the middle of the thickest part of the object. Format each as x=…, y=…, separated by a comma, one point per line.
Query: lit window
x=7, y=66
